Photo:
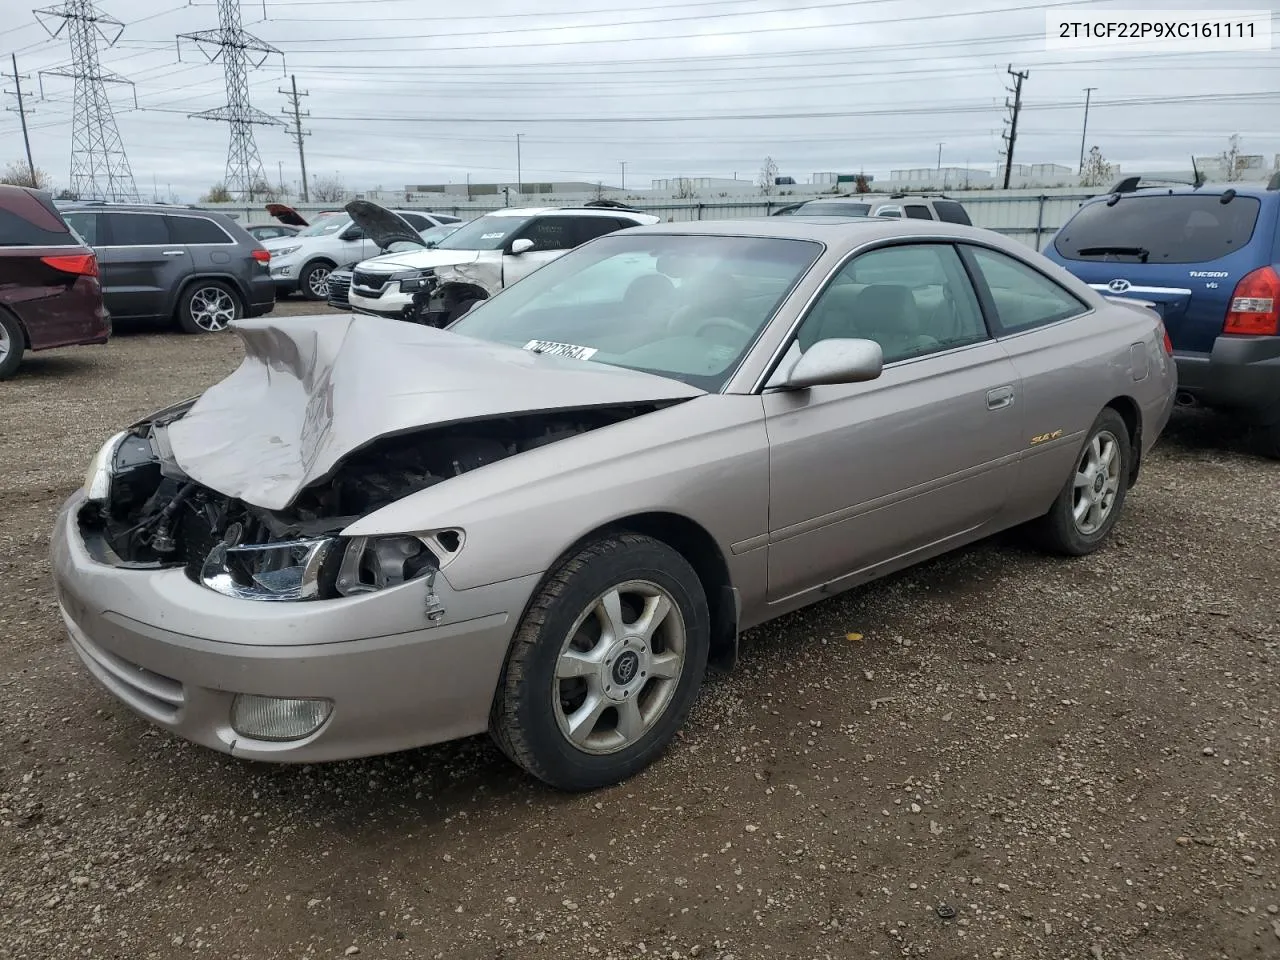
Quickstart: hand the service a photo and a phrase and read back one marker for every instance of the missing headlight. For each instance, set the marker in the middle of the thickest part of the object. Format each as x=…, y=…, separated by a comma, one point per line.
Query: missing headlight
x=370, y=564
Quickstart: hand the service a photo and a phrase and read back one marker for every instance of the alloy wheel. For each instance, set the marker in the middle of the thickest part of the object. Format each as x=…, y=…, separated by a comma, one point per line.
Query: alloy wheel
x=212, y=308
x=1097, y=482
x=619, y=667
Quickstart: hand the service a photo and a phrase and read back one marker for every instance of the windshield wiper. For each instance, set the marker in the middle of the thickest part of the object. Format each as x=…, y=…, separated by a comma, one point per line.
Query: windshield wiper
x=1140, y=252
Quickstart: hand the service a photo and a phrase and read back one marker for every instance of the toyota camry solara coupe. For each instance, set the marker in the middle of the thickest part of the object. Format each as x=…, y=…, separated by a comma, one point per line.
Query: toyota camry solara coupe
x=550, y=519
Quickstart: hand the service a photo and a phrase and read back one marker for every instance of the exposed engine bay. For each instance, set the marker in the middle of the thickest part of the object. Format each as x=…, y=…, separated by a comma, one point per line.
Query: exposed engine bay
x=155, y=516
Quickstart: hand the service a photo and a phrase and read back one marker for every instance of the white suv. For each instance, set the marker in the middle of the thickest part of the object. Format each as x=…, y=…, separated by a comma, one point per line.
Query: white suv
x=477, y=260
x=302, y=263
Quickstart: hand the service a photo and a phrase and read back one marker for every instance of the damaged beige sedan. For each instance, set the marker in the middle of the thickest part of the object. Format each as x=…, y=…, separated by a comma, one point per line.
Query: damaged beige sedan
x=548, y=520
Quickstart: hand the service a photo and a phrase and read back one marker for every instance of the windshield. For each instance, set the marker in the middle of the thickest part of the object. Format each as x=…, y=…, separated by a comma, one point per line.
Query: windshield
x=819, y=208
x=1169, y=228
x=326, y=226
x=483, y=233
x=681, y=306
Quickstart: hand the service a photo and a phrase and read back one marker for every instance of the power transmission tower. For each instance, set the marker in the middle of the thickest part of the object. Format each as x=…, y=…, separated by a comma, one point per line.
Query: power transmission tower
x=295, y=108
x=1015, y=108
x=99, y=168
x=21, y=111
x=239, y=50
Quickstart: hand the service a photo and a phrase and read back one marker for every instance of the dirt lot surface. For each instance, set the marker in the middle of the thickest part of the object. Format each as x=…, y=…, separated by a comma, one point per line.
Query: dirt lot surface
x=1077, y=758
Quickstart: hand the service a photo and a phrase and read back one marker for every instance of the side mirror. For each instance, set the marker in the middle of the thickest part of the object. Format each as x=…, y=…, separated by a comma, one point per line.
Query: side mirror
x=523, y=245
x=830, y=362
x=352, y=233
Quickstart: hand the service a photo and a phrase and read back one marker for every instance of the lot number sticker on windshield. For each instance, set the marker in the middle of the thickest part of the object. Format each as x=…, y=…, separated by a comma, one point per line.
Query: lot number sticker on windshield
x=561, y=349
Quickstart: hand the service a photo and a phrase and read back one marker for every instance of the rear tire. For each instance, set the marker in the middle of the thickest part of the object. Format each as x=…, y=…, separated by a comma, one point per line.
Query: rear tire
x=13, y=344
x=1271, y=441
x=605, y=665
x=1092, y=499
x=208, y=306
x=459, y=310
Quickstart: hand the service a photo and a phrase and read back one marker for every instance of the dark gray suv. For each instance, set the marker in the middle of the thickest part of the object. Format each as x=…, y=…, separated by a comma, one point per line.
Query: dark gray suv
x=168, y=263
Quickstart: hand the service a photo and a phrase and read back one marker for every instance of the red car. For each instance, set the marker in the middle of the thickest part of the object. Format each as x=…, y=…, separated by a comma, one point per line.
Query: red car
x=50, y=295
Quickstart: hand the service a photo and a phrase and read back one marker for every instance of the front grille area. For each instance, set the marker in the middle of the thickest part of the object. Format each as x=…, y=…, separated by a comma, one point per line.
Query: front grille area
x=340, y=289
x=149, y=693
x=369, y=282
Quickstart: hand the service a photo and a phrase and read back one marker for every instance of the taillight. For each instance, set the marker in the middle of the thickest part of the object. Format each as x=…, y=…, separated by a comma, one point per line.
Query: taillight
x=1255, y=304
x=1168, y=344
x=261, y=255
x=81, y=264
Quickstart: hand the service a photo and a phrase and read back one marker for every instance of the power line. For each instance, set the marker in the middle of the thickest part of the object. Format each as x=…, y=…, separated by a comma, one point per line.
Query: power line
x=99, y=166
x=236, y=46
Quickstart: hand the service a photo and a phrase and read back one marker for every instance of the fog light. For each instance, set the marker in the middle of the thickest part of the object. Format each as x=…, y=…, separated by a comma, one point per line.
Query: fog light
x=277, y=718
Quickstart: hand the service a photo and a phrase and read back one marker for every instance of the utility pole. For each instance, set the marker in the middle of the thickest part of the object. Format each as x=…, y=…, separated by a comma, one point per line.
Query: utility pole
x=295, y=108
x=940, y=158
x=623, y=162
x=99, y=167
x=17, y=79
x=240, y=51
x=519, y=170
x=1084, y=131
x=1016, y=107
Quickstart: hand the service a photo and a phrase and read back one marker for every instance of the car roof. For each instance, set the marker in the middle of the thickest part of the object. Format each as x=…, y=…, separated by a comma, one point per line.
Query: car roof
x=611, y=212
x=173, y=208
x=829, y=230
x=1258, y=191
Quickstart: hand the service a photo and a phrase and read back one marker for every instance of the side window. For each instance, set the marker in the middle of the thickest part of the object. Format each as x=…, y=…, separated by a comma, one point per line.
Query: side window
x=417, y=221
x=26, y=222
x=889, y=212
x=918, y=211
x=912, y=299
x=135, y=229
x=86, y=225
x=588, y=228
x=196, y=230
x=1023, y=297
x=549, y=233
x=951, y=212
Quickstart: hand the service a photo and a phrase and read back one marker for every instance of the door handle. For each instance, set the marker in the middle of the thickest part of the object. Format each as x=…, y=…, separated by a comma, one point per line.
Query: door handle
x=999, y=397
x=174, y=253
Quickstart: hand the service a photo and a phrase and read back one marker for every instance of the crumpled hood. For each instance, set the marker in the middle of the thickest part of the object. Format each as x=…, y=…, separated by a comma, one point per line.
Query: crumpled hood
x=313, y=390
x=420, y=260
x=381, y=225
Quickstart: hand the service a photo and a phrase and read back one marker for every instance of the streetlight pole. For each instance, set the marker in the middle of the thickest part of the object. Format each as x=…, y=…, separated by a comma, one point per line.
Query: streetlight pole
x=519, y=169
x=1084, y=131
x=939, y=158
x=624, y=174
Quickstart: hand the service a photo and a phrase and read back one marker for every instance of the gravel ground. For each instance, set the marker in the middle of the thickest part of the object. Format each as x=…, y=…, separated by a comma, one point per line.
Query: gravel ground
x=1078, y=759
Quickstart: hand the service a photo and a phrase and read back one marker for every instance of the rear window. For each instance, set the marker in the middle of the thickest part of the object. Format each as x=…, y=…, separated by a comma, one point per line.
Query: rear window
x=1178, y=228
x=26, y=222
x=951, y=212
x=196, y=230
x=820, y=209
x=917, y=212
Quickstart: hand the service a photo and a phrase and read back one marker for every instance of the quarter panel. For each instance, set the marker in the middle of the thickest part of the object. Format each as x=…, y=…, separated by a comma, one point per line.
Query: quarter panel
x=705, y=459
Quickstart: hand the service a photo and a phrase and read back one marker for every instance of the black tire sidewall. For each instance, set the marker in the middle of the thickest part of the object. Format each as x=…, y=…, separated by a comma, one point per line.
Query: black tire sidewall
x=1061, y=530
x=17, y=346
x=558, y=761
x=304, y=280
x=185, y=318
x=460, y=309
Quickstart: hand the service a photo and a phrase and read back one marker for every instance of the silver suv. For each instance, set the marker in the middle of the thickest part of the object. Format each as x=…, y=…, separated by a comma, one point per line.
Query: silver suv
x=898, y=206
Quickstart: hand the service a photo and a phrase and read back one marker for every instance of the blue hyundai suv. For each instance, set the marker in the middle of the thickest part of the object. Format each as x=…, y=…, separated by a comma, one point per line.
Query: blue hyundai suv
x=1208, y=259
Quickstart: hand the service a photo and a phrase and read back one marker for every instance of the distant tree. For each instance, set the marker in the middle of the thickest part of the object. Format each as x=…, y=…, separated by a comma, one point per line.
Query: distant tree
x=218, y=193
x=67, y=195
x=18, y=174
x=600, y=191
x=328, y=190
x=767, y=181
x=1231, y=159
x=1096, y=171
x=264, y=190
x=684, y=189
x=861, y=184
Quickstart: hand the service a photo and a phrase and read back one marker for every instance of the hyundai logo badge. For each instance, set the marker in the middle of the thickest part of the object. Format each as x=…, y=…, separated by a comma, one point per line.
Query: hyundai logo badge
x=1119, y=286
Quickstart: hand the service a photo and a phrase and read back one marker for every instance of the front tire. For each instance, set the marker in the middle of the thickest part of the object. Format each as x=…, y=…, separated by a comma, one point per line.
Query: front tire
x=12, y=345
x=209, y=306
x=1090, y=503
x=605, y=666
x=313, y=283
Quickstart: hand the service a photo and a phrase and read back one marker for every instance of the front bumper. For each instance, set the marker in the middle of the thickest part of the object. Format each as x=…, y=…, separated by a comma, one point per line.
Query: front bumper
x=1240, y=374
x=177, y=654
x=392, y=303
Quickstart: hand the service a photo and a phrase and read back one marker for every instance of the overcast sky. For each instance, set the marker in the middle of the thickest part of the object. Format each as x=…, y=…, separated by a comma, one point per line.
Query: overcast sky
x=404, y=92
